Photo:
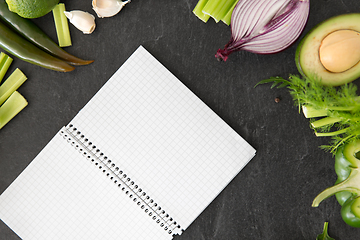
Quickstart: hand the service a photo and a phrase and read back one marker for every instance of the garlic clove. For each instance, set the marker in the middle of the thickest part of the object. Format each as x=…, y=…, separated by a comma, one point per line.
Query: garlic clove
x=108, y=8
x=83, y=21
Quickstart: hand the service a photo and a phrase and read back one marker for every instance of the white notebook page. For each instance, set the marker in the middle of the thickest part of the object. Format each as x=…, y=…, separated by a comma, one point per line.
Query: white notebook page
x=164, y=137
x=156, y=131
x=61, y=196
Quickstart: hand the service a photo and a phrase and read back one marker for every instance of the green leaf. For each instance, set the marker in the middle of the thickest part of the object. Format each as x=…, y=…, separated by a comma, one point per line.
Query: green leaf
x=325, y=235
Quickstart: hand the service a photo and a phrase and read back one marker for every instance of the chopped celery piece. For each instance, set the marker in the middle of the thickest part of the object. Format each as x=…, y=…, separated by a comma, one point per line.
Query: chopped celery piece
x=5, y=62
x=12, y=83
x=198, y=11
x=61, y=25
x=220, y=12
x=212, y=6
x=227, y=18
x=12, y=106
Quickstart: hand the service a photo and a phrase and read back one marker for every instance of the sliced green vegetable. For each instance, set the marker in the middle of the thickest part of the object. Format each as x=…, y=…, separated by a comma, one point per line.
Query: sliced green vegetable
x=62, y=26
x=219, y=10
x=5, y=62
x=13, y=82
x=224, y=9
x=213, y=6
x=198, y=11
x=325, y=235
x=12, y=106
x=227, y=18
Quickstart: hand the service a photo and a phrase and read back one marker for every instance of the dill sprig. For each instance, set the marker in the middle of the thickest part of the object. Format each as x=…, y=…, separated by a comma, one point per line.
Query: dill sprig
x=333, y=111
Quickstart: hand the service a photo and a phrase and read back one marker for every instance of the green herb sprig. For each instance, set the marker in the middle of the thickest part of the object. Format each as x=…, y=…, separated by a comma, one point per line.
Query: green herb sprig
x=333, y=111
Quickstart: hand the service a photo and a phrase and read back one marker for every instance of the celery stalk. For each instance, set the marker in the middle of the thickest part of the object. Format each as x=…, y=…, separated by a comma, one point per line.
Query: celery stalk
x=12, y=83
x=227, y=18
x=222, y=9
x=198, y=11
x=61, y=25
x=12, y=106
x=213, y=6
x=5, y=62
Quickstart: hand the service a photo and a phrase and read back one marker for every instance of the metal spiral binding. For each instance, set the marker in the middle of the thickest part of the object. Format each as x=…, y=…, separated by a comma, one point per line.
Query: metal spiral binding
x=115, y=174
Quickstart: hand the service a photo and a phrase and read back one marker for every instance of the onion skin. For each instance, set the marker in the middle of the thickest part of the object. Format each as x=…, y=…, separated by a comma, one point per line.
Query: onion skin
x=265, y=27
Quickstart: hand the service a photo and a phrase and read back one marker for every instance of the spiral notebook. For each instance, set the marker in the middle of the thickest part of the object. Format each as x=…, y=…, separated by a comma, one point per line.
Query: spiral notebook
x=141, y=160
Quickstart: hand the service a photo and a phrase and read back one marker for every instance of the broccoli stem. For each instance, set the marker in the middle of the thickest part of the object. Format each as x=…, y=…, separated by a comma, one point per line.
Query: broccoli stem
x=351, y=184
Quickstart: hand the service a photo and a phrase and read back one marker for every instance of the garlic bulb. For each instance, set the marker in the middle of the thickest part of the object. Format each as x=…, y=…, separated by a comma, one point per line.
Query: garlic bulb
x=108, y=8
x=83, y=21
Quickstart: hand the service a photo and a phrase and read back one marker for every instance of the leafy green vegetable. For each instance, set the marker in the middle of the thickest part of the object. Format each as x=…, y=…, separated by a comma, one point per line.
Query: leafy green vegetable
x=12, y=106
x=5, y=62
x=62, y=25
x=337, y=107
x=325, y=235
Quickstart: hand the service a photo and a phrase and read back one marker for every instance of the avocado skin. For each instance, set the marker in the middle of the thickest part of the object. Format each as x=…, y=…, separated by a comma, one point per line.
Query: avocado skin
x=310, y=44
x=297, y=56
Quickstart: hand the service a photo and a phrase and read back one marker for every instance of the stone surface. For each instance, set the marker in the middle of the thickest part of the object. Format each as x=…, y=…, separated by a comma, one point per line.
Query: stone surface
x=271, y=197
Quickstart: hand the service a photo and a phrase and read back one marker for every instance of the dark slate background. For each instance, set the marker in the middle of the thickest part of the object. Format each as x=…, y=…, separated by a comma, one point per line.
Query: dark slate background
x=271, y=197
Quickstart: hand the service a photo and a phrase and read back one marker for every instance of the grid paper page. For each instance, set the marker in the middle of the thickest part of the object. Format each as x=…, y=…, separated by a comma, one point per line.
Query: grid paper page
x=61, y=195
x=163, y=137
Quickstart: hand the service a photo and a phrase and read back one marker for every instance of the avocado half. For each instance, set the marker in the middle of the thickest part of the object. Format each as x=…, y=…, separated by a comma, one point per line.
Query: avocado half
x=307, y=53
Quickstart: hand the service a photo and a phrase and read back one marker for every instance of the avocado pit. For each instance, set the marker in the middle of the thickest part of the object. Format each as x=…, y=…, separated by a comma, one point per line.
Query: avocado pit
x=340, y=50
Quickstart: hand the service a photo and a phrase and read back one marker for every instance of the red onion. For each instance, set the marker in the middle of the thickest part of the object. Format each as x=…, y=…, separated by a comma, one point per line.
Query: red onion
x=265, y=26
